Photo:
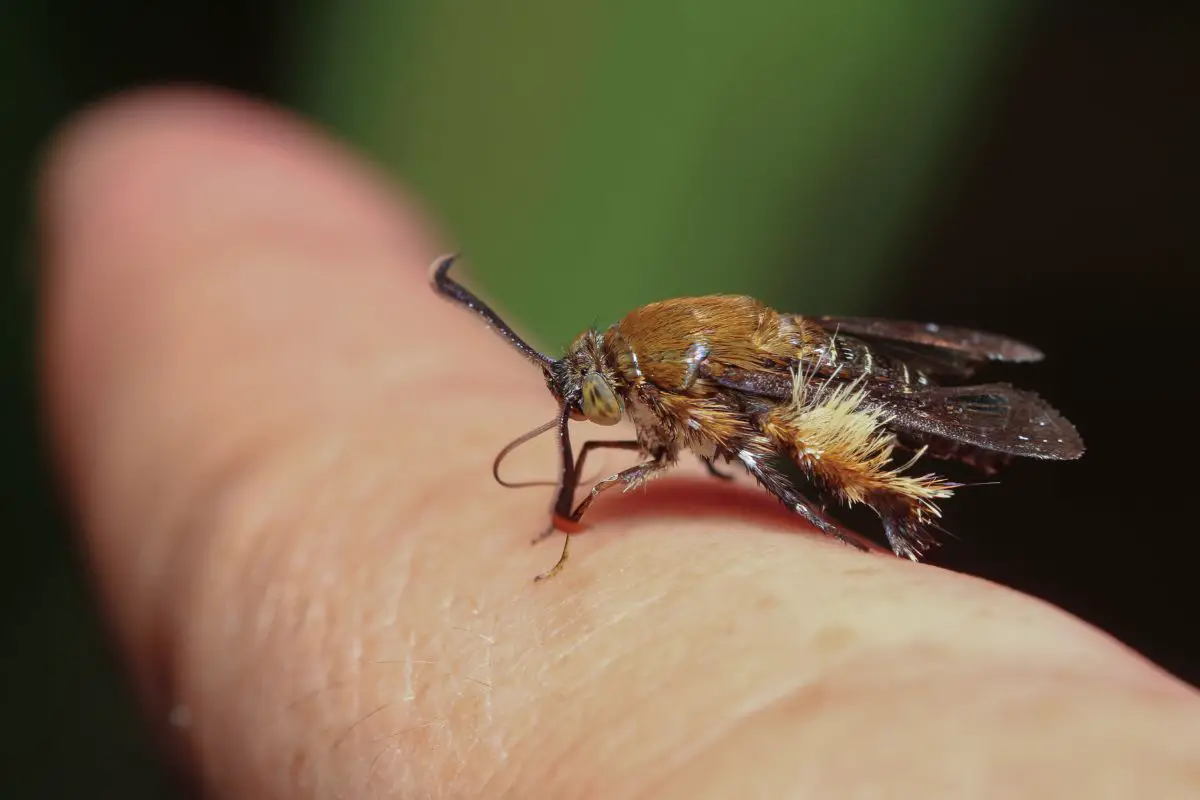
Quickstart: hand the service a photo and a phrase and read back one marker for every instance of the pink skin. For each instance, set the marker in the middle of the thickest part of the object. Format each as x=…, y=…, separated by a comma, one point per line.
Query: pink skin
x=278, y=442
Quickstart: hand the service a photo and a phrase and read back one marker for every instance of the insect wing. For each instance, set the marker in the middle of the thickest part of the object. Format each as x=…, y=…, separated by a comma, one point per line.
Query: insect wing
x=966, y=344
x=775, y=384
x=994, y=416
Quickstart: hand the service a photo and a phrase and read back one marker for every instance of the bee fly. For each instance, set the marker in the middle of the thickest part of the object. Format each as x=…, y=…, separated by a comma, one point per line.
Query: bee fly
x=729, y=378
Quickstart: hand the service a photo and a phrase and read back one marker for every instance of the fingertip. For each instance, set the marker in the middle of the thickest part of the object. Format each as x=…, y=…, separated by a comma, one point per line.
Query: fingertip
x=228, y=296
x=214, y=264
x=161, y=160
x=142, y=193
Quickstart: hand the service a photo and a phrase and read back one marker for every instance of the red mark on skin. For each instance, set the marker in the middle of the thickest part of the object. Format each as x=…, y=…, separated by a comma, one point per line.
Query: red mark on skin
x=567, y=525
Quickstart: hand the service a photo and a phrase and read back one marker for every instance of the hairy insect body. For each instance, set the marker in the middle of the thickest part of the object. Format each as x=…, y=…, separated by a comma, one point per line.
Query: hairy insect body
x=660, y=356
x=728, y=378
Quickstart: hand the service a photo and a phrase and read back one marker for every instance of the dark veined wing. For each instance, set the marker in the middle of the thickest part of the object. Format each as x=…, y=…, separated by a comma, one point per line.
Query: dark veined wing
x=994, y=416
x=954, y=347
x=775, y=384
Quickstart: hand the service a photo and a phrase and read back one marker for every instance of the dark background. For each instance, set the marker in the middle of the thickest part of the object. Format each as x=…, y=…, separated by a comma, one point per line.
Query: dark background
x=1057, y=203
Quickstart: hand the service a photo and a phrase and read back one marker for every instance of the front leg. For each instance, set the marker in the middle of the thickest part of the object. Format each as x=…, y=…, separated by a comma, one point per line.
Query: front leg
x=594, y=444
x=629, y=478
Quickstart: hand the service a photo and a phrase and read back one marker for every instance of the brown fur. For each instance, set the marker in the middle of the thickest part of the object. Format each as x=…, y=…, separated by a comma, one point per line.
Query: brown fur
x=740, y=332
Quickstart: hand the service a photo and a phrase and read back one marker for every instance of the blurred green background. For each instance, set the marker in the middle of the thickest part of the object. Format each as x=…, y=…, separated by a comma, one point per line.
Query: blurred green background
x=626, y=151
x=1023, y=167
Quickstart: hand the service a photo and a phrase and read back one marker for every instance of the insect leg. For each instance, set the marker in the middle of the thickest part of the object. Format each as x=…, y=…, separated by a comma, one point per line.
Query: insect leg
x=782, y=487
x=908, y=530
x=906, y=540
x=620, y=444
x=712, y=469
x=634, y=476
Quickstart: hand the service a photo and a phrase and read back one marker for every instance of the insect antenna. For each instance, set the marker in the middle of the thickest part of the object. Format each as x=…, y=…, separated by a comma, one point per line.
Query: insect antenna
x=513, y=445
x=448, y=287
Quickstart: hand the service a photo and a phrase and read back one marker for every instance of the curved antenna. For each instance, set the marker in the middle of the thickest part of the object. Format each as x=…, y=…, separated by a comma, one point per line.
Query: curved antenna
x=513, y=445
x=448, y=287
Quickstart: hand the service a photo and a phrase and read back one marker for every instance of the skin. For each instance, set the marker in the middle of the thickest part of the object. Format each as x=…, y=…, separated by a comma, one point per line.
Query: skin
x=278, y=444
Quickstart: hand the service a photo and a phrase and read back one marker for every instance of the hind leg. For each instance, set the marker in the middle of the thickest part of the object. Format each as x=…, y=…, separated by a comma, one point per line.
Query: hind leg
x=907, y=528
x=782, y=487
x=712, y=469
x=900, y=539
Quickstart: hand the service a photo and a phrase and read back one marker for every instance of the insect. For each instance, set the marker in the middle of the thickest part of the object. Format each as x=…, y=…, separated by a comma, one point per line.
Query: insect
x=852, y=402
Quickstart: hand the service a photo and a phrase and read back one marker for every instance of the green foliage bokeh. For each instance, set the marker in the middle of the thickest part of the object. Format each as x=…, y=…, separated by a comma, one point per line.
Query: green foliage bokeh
x=592, y=156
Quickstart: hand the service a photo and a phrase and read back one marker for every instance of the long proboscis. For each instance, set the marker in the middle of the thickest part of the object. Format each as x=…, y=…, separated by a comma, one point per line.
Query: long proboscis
x=448, y=287
x=513, y=445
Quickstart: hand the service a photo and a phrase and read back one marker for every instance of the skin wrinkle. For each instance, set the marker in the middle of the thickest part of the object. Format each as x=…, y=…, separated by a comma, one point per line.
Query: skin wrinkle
x=526, y=733
x=613, y=669
x=615, y=713
x=262, y=561
x=819, y=700
x=863, y=672
x=607, y=724
x=341, y=739
x=315, y=468
x=252, y=658
x=254, y=446
x=616, y=618
x=475, y=636
x=193, y=564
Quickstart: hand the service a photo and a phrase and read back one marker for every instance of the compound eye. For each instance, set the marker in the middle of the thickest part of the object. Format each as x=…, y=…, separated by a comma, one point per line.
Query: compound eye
x=600, y=404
